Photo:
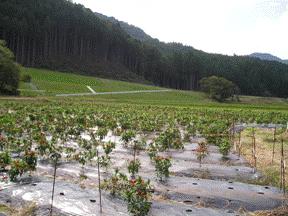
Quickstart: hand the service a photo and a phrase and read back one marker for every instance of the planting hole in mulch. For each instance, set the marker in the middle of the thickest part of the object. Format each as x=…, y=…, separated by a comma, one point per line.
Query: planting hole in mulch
x=198, y=197
x=34, y=184
x=62, y=194
x=260, y=192
x=92, y=200
x=188, y=202
x=267, y=187
x=152, y=191
x=189, y=210
x=231, y=188
x=195, y=183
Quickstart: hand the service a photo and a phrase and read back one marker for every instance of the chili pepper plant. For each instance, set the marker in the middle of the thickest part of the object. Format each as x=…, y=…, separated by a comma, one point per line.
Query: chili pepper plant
x=162, y=166
x=201, y=152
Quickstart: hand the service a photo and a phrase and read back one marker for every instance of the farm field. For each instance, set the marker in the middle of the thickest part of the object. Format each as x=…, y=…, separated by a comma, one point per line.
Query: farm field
x=187, y=158
x=51, y=83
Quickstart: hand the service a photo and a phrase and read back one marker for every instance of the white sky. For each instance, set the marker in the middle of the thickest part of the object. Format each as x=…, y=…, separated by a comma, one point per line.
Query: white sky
x=215, y=26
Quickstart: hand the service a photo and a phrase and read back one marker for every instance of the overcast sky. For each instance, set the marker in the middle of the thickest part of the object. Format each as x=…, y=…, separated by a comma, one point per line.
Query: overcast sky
x=223, y=26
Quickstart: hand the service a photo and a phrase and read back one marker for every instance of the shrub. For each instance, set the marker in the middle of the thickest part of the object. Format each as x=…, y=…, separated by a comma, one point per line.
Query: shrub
x=117, y=184
x=127, y=137
x=135, y=192
x=167, y=137
x=26, y=78
x=133, y=166
x=225, y=147
x=108, y=147
x=17, y=169
x=136, y=197
x=9, y=71
x=201, y=152
x=5, y=159
x=30, y=159
x=162, y=166
x=152, y=151
x=217, y=88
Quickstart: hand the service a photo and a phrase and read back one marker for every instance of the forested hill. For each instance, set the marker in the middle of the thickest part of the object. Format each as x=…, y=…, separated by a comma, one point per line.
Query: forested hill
x=267, y=56
x=61, y=35
x=132, y=30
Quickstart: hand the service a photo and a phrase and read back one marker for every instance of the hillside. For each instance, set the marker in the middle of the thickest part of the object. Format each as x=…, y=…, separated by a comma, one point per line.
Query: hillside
x=267, y=56
x=74, y=39
x=167, y=49
x=133, y=31
x=47, y=84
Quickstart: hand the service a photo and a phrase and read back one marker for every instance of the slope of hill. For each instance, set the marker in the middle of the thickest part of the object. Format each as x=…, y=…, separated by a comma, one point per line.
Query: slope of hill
x=53, y=82
x=267, y=56
x=132, y=30
x=167, y=49
x=74, y=39
x=47, y=84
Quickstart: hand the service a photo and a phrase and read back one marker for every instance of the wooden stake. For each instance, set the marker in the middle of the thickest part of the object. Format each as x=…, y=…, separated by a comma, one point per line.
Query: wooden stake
x=274, y=140
x=233, y=128
x=282, y=184
x=133, y=171
x=55, y=168
x=252, y=143
x=239, y=143
x=99, y=181
x=255, y=163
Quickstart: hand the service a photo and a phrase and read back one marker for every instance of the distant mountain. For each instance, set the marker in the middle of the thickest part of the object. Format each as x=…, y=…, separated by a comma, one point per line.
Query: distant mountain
x=132, y=30
x=267, y=56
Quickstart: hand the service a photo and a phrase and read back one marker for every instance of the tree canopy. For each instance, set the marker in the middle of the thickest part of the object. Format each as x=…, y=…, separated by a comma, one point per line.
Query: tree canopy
x=217, y=88
x=9, y=71
x=65, y=36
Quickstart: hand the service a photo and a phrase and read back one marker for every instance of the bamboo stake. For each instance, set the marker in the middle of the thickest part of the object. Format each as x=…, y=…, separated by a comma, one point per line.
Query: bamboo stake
x=253, y=150
x=134, y=155
x=255, y=160
x=252, y=143
x=282, y=185
x=239, y=143
x=99, y=181
x=55, y=168
x=233, y=128
x=274, y=140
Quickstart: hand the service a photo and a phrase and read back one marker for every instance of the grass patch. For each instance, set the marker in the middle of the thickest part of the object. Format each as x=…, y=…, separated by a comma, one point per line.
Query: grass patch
x=264, y=155
x=53, y=83
x=27, y=210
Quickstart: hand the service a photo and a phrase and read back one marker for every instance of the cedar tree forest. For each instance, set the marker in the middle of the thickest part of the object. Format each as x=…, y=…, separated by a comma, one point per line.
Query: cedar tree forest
x=65, y=36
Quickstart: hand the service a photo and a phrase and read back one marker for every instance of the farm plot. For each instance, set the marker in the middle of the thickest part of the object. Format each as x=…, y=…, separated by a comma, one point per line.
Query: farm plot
x=183, y=157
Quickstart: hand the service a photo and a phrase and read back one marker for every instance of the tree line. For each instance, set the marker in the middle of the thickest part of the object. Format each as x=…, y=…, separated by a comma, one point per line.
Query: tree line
x=65, y=36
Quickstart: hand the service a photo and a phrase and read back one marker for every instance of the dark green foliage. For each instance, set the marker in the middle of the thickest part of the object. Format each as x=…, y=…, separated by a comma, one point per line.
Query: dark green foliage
x=217, y=88
x=26, y=78
x=65, y=36
x=9, y=71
